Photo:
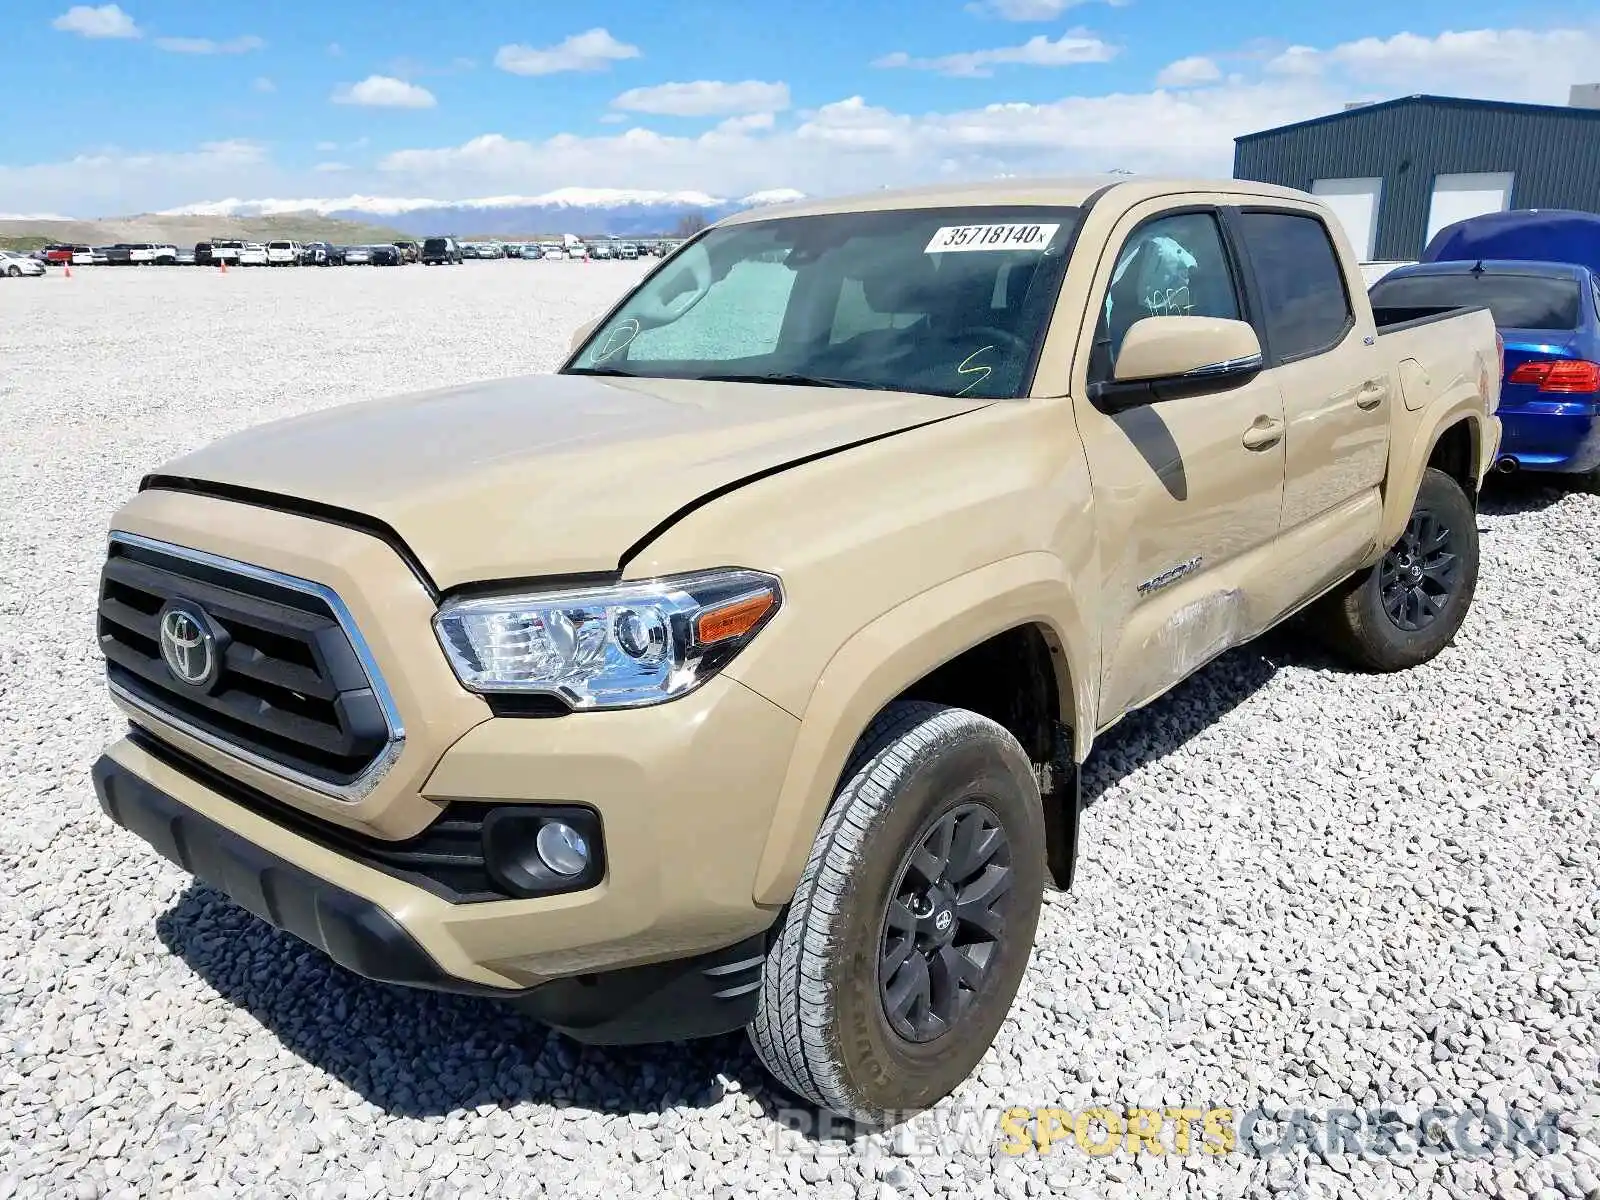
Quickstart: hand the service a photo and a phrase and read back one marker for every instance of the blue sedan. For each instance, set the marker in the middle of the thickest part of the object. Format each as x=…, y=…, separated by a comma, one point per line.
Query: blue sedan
x=1549, y=317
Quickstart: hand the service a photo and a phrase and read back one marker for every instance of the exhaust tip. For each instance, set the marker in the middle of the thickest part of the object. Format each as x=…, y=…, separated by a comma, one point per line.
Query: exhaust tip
x=1506, y=465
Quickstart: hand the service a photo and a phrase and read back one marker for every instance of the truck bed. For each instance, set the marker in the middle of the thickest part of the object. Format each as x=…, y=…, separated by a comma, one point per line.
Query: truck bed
x=1391, y=318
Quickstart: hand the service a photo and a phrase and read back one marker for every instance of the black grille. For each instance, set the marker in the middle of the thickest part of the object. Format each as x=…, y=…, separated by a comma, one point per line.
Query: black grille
x=290, y=688
x=446, y=858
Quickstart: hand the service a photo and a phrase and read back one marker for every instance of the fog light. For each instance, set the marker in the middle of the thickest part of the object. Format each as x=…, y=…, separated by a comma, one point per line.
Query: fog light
x=562, y=848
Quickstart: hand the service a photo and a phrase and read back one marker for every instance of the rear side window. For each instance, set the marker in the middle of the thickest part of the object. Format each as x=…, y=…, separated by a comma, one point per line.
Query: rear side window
x=1517, y=301
x=1304, y=305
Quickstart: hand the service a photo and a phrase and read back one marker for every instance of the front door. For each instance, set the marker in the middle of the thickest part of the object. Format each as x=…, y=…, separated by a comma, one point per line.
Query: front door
x=1186, y=491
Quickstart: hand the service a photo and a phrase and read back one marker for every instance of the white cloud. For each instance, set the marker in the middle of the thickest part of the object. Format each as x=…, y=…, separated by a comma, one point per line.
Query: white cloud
x=705, y=98
x=749, y=123
x=384, y=91
x=1188, y=72
x=614, y=118
x=106, y=21
x=113, y=181
x=1304, y=61
x=263, y=85
x=328, y=168
x=595, y=50
x=238, y=45
x=1024, y=10
x=854, y=144
x=1068, y=49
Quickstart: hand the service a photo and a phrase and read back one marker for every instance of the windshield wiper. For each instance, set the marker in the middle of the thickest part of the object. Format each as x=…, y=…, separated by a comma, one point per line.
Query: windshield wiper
x=799, y=381
x=600, y=371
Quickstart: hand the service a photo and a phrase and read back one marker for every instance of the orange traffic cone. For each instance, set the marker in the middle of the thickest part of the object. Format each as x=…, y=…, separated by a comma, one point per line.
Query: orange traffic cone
x=223, y=263
x=69, y=270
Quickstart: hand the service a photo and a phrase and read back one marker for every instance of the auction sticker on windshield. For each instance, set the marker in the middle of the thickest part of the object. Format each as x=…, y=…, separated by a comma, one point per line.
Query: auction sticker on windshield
x=952, y=238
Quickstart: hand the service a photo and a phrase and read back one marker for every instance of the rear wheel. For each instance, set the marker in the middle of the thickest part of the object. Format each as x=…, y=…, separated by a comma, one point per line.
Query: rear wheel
x=898, y=958
x=1404, y=610
x=14, y=272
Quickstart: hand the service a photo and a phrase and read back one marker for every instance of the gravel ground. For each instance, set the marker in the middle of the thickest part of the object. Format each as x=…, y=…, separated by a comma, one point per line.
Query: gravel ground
x=1301, y=888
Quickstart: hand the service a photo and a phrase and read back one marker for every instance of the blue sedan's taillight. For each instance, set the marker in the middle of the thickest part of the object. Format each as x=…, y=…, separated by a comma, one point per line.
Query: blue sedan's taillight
x=1572, y=376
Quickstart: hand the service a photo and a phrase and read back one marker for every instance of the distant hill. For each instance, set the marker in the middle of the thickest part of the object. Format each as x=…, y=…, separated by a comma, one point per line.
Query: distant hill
x=184, y=230
x=587, y=212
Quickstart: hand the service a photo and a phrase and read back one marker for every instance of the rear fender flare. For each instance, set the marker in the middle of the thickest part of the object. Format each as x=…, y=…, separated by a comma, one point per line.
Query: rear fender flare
x=1409, y=455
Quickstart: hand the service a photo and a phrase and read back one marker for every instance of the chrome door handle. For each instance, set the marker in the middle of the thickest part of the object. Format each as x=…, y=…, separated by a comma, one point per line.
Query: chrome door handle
x=1266, y=433
x=1371, y=394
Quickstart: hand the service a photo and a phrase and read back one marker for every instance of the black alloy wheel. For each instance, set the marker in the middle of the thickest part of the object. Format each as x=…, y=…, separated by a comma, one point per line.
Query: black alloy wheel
x=945, y=922
x=1418, y=575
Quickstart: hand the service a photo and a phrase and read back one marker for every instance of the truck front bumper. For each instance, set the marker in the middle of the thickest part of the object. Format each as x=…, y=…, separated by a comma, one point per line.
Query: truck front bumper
x=666, y=944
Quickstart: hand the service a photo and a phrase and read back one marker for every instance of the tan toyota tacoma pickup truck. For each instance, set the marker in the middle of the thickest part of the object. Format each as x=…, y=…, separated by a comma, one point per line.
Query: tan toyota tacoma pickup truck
x=738, y=673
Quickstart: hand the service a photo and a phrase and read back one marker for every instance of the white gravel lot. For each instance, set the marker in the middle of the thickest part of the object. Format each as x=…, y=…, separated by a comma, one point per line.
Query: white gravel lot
x=1301, y=888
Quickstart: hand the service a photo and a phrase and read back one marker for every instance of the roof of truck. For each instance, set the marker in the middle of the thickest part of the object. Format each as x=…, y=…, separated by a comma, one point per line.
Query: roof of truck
x=1066, y=192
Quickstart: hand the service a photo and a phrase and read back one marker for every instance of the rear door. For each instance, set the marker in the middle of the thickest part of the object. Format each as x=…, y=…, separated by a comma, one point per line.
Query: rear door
x=1337, y=390
x=1187, y=491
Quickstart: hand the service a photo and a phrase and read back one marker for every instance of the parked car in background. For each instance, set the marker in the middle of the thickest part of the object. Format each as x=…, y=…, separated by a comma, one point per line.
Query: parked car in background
x=357, y=256
x=15, y=265
x=551, y=250
x=1548, y=315
x=82, y=256
x=119, y=255
x=283, y=254
x=628, y=251
x=252, y=254
x=1527, y=235
x=600, y=250
x=530, y=252
x=409, y=251
x=225, y=250
x=440, y=251
x=386, y=255
x=100, y=255
x=320, y=254
x=186, y=258
x=56, y=253
x=203, y=255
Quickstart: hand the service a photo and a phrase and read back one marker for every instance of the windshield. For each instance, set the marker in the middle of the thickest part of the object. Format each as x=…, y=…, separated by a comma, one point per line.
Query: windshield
x=947, y=301
x=1517, y=301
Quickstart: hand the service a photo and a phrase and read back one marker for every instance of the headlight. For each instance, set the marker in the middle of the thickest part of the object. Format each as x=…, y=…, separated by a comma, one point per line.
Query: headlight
x=613, y=647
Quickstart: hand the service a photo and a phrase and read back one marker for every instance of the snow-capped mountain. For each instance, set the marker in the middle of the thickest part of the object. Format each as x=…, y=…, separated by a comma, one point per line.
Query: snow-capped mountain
x=588, y=211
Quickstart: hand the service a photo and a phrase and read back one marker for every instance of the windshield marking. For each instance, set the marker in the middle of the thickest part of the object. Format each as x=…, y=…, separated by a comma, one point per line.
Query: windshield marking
x=969, y=368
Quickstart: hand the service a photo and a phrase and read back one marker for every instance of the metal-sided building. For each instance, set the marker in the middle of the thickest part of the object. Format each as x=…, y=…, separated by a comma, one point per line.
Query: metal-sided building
x=1398, y=171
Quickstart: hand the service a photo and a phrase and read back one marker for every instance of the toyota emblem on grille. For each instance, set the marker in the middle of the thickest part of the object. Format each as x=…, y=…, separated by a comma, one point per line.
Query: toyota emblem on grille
x=188, y=647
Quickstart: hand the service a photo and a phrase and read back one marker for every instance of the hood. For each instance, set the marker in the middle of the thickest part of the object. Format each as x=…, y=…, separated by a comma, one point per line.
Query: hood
x=549, y=474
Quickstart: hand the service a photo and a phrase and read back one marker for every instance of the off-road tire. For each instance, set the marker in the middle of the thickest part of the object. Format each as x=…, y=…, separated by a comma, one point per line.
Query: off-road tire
x=821, y=1026
x=1355, y=620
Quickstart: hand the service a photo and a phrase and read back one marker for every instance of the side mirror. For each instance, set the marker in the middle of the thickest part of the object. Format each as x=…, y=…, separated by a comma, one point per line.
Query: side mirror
x=1165, y=357
x=581, y=334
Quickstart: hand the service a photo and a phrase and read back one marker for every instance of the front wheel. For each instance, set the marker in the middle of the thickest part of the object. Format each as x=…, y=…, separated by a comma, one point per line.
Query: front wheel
x=14, y=272
x=899, y=956
x=1403, y=611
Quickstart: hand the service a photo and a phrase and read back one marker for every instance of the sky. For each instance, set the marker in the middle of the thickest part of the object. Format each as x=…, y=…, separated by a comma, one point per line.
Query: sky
x=147, y=105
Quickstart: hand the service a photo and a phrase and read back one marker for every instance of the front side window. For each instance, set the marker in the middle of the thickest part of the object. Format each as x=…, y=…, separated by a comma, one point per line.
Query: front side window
x=946, y=301
x=1169, y=267
x=1303, y=301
